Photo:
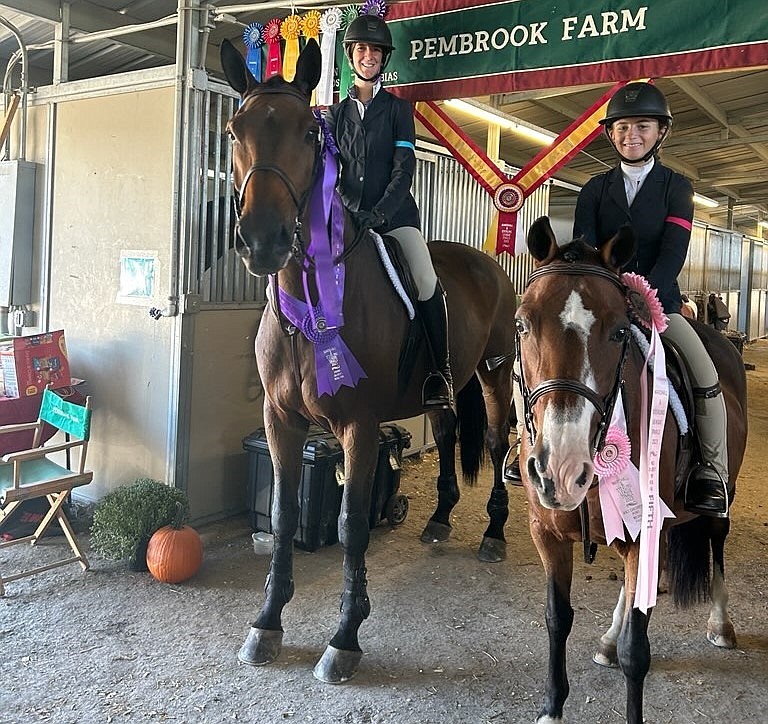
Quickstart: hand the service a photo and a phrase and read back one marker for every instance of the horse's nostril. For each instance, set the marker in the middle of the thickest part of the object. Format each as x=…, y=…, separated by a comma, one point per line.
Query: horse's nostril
x=240, y=246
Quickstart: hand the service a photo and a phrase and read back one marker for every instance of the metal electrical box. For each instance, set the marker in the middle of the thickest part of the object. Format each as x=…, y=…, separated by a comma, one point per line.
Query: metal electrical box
x=17, y=220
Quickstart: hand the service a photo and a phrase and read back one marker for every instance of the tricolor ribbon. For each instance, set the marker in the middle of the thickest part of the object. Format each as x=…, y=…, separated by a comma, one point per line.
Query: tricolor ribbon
x=290, y=29
x=253, y=37
x=509, y=195
x=330, y=22
x=274, y=58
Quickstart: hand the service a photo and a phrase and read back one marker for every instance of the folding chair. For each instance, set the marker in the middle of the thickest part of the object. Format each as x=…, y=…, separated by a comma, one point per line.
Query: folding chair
x=29, y=474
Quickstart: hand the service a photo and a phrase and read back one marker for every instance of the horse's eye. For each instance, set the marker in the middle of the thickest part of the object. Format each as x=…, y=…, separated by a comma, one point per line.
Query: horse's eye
x=312, y=135
x=521, y=326
x=620, y=334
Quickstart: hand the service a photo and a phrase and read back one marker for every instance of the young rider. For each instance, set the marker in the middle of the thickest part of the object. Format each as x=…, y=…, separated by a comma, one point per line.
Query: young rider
x=658, y=203
x=375, y=134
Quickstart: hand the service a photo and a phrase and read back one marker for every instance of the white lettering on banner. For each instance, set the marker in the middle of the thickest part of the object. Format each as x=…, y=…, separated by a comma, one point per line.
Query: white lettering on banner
x=609, y=26
x=482, y=41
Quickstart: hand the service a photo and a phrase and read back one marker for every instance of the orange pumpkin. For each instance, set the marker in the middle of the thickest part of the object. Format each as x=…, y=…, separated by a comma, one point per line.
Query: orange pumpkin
x=174, y=553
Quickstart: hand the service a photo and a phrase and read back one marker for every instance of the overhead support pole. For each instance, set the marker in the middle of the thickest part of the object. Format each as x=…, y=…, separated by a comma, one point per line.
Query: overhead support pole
x=61, y=47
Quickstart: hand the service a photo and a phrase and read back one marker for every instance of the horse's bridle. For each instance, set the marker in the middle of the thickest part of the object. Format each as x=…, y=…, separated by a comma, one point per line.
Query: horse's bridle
x=603, y=405
x=299, y=200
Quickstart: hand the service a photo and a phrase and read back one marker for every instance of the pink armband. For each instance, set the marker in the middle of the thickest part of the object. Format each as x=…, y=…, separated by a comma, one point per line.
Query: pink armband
x=679, y=221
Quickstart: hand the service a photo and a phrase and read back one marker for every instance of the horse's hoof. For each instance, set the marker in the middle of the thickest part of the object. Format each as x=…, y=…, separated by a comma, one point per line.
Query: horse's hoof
x=261, y=647
x=606, y=656
x=722, y=636
x=337, y=665
x=492, y=550
x=436, y=532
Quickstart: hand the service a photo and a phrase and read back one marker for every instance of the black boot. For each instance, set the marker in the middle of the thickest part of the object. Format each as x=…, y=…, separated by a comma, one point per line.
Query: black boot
x=512, y=472
x=438, y=387
x=706, y=492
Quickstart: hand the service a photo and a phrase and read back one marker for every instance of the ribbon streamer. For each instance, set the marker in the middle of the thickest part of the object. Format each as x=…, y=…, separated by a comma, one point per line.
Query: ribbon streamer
x=335, y=365
x=651, y=435
x=330, y=22
x=290, y=29
x=253, y=37
x=274, y=58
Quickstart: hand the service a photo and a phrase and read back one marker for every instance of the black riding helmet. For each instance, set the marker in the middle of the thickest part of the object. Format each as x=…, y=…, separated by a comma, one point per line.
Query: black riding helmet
x=638, y=100
x=370, y=29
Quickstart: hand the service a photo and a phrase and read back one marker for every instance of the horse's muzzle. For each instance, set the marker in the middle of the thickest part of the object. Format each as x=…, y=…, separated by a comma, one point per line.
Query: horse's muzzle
x=260, y=254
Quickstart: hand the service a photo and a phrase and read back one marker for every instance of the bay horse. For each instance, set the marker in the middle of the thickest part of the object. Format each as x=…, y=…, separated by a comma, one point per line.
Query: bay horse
x=578, y=357
x=279, y=168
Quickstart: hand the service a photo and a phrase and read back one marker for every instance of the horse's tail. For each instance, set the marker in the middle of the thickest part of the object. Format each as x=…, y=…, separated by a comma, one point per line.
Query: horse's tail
x=472, y=422
x=689, y=565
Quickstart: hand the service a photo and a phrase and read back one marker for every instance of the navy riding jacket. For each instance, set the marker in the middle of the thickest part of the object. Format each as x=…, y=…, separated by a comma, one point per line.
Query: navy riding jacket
x=378, y=159
x=661, y=216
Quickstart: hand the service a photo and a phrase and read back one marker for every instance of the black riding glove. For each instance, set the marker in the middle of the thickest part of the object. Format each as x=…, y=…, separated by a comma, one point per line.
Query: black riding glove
x=373, y=219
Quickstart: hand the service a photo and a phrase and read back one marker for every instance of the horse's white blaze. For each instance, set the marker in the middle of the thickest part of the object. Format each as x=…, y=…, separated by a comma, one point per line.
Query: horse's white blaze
x=566, y=437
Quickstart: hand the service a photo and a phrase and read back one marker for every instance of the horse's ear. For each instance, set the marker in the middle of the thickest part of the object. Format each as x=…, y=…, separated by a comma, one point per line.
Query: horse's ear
x=308, y=68
x=235, y=70
x=617, y=251
x=541, y=241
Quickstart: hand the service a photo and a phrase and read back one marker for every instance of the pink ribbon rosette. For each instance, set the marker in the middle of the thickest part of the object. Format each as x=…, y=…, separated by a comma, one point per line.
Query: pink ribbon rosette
x=644, y=307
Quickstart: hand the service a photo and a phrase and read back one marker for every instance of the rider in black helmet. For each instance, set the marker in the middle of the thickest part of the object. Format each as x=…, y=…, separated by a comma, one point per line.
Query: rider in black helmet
x=376, y=137
x=658, y=203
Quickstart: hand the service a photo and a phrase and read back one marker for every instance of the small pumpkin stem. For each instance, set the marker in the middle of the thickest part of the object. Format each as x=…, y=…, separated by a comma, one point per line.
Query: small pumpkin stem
x=178, y=520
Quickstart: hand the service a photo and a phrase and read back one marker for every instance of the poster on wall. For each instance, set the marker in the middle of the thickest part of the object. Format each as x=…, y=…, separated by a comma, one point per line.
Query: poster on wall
x=137, y=279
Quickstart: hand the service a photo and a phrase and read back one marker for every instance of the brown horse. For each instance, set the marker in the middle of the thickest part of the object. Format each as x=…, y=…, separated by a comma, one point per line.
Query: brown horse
x=578, y=356
x=279, y=164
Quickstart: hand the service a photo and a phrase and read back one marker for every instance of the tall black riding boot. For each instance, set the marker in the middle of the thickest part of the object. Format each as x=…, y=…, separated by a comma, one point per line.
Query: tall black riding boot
x=438, y=387
x=706, y=490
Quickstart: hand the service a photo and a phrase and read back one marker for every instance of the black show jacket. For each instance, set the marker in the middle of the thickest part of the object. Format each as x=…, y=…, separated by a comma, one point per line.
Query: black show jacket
x=374, y=171
x=661, y=216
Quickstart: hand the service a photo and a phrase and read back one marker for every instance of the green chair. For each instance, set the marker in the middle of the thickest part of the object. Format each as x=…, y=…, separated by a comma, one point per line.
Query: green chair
x=29, y=474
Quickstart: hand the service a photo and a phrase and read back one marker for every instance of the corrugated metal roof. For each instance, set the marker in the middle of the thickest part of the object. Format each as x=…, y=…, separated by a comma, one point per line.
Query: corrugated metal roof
x=719, y=139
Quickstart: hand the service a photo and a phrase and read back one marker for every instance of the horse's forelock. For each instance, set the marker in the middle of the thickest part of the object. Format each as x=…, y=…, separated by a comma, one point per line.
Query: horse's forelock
x=577, y=251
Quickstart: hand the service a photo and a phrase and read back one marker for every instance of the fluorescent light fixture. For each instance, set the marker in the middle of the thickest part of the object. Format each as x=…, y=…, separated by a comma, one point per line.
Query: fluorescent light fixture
x=705, y=201
x=489, y=114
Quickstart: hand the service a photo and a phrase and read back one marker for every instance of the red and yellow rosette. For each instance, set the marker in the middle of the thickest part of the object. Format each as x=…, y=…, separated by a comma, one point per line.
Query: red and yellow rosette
x=274, y=58
x=290, y=29
x=310, y=29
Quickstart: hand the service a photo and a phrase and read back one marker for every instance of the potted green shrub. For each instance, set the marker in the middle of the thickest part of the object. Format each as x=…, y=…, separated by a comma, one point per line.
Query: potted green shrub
x=125, y=519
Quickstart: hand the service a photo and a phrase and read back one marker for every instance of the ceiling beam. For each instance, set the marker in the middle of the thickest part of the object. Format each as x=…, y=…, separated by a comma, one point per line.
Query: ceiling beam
x=715, y=143
x=86, y=17
x=702, y=100
x=717, y=114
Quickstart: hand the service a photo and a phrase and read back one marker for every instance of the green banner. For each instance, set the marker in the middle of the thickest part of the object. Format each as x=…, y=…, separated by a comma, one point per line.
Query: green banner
x=523, y=35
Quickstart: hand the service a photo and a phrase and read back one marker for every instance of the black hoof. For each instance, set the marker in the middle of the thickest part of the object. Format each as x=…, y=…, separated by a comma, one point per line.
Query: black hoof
x=261, y=647
x=492, y=550
x=337, y=665
x=436, y=532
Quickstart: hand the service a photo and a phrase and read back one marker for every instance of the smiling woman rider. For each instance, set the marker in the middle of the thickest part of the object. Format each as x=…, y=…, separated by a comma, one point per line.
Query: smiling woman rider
x=376, y=136
x=658, y=204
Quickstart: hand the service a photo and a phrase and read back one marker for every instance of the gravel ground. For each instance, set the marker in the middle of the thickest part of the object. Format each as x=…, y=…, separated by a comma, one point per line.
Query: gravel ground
x=449, y=639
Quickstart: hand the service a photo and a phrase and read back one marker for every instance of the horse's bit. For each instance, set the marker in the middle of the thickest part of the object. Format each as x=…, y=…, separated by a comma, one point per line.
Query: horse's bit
x=603, y=405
